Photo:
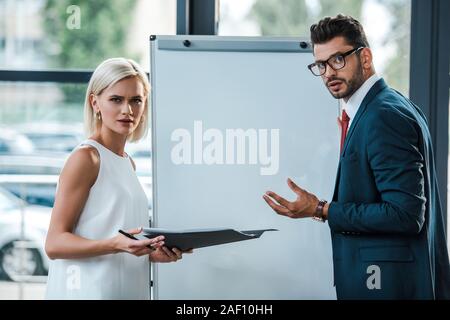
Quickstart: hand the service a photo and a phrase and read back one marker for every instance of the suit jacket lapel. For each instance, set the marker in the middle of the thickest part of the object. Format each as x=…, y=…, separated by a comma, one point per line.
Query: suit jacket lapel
x=376, y=88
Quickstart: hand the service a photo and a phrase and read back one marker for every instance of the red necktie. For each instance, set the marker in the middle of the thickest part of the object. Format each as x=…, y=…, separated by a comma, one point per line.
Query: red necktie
x=344, y=127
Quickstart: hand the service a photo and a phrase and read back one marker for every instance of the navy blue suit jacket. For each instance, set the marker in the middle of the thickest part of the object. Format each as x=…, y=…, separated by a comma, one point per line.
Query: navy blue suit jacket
x=385, y=218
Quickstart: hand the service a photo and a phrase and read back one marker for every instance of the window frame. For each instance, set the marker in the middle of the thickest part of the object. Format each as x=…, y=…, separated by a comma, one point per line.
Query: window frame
x=429, y=87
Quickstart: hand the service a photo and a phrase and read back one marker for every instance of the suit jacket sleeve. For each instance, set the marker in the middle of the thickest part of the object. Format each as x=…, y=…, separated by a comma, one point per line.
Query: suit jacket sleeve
x=392, y=148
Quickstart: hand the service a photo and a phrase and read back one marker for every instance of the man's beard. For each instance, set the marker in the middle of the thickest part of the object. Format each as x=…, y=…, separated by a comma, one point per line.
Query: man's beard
x=352, y=85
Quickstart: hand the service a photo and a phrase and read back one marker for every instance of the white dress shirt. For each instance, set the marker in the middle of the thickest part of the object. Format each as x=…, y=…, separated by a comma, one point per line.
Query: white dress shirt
x=352, y=105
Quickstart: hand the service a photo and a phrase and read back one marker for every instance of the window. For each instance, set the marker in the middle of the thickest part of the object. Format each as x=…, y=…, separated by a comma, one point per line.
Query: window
x=41, y=122
x=42, y=34
x=389, y=40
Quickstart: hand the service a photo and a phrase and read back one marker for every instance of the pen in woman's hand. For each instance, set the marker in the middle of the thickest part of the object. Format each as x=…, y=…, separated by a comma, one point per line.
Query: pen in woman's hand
x=126, y=234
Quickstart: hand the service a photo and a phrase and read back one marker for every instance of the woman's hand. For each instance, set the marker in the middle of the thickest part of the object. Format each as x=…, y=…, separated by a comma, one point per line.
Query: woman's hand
x=138, y=248
x=164, y=254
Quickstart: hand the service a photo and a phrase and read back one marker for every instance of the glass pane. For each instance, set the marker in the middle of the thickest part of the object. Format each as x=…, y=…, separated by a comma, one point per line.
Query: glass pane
x=40, y=124
x=29, y=170
x=36, y=34
x=389, y=40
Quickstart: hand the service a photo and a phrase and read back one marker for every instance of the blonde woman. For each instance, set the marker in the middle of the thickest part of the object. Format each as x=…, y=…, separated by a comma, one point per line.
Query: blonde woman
x=99, y=193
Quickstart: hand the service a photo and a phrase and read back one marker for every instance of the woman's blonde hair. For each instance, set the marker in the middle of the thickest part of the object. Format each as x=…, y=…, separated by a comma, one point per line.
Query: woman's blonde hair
x=108, y=73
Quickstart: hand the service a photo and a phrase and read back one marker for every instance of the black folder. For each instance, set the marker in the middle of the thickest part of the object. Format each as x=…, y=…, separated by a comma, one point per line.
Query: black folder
x=199, y=238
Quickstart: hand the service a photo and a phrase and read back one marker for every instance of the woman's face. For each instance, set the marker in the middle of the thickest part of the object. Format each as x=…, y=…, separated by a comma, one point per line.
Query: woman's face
x=121, y=106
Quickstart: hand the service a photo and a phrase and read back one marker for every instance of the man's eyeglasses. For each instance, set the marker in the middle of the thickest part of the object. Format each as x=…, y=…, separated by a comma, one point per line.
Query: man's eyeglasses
x=336, y=62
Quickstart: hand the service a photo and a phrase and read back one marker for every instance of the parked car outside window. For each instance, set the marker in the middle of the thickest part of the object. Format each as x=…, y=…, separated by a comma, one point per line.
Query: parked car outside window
x=23, y=229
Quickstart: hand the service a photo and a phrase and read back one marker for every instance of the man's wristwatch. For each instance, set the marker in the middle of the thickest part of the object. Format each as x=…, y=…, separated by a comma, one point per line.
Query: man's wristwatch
x=318, y=215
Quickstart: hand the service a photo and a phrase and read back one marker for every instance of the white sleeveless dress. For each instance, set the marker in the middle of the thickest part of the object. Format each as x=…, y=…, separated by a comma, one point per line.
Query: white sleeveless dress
x=116, y=201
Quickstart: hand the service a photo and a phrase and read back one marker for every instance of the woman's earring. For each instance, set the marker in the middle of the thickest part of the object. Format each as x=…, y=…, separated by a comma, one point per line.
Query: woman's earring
x=99, y=116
